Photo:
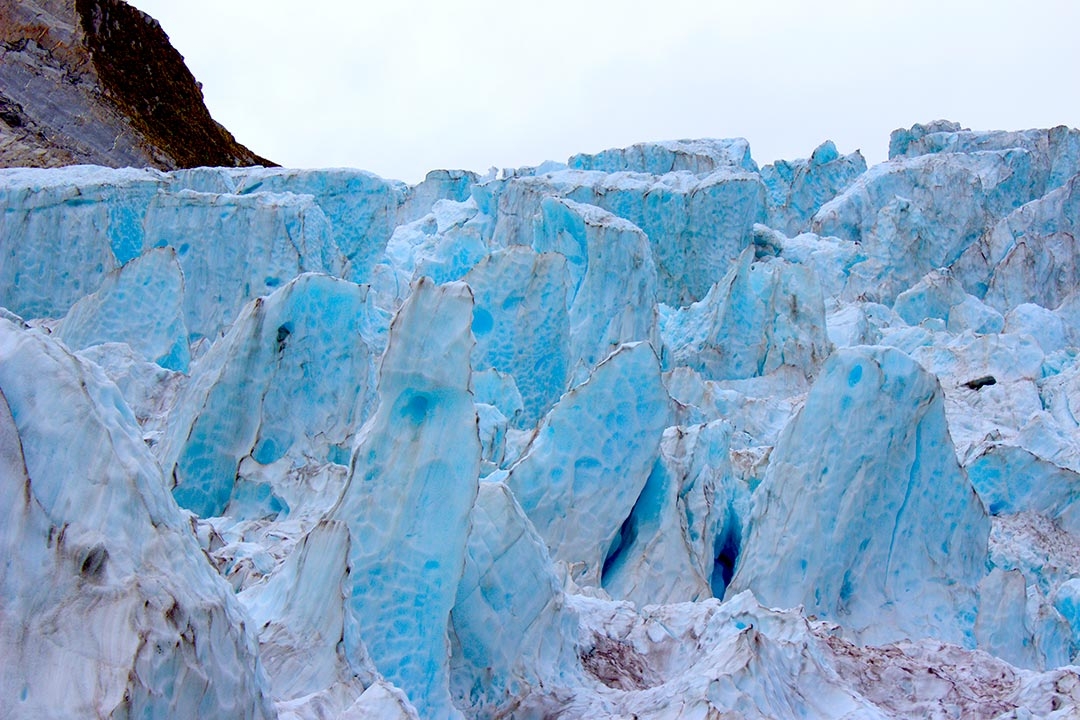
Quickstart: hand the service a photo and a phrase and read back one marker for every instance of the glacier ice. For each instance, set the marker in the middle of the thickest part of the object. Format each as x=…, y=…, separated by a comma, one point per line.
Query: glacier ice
x=797, y=189
x=909, y=217
x=657, y=432
x=939, y=295
x=412, y=483
x=590, y=458
x=521, y=326
x=292, y=381
x=60, y=233
x=300, y=614
x=895, y=546
x=764, y=314
x=700, y=157
x=513, y=635
x=442, y=245
x=150, y=280
x=242, y=266
x=108, y=605
x=359, y=209
x=1048, y=329
x=603, y=313
x=1033, y=251
x=681, y=538
x=1057, y=149
x=696, y=225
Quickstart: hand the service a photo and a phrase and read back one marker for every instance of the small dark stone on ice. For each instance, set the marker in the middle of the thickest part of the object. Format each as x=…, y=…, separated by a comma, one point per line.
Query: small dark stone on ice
x=283, y=334
x=94, y=562
x=981, y=382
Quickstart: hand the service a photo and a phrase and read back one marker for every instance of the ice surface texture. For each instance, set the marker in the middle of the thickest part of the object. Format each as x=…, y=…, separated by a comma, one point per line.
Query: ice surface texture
x=656, y=433
x=291, y=381
x=412, y=485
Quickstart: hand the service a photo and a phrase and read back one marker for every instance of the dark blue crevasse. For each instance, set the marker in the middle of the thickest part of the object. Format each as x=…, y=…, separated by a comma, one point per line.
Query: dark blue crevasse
x=617, y=551
x=727, y=546
x=643, y=521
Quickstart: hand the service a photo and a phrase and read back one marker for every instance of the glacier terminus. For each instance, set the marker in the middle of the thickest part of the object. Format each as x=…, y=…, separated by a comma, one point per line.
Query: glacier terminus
x=653, y=433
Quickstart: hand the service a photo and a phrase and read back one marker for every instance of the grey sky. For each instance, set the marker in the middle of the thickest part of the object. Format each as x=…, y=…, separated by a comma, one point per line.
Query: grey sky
x=399, y=88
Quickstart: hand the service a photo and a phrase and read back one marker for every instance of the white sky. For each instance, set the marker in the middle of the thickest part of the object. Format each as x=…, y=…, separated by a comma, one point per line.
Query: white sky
x=402, y=87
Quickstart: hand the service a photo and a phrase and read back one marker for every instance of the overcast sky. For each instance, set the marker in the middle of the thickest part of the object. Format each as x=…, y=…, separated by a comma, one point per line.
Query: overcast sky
x=403, y=87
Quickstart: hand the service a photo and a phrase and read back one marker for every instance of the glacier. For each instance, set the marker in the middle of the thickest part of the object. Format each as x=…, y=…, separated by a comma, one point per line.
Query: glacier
x=657, y=432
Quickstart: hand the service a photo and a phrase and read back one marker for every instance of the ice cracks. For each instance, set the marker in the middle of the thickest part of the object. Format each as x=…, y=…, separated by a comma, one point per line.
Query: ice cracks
x=590, y=459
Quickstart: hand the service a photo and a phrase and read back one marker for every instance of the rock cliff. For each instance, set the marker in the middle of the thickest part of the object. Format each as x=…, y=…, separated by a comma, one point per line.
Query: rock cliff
x=97, y=82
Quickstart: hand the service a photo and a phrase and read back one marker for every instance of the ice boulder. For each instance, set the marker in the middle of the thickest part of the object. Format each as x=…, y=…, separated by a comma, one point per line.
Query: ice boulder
x=764, y=314
x=1030, y=558
x=292, y=380
x=797, y=188
x=514, y=640
x=1015, y=626
x=590, y=458
x=864, y=516
x=614, y=294
x=141, y=304
x=1046, y=326
x=939, y=295
x=412, y=485
x=1010, y=479
x=110, y=608
x=1066, y=601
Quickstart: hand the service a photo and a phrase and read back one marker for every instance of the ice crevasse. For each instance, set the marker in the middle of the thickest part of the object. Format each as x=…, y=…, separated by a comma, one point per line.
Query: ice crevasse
x=657, y=433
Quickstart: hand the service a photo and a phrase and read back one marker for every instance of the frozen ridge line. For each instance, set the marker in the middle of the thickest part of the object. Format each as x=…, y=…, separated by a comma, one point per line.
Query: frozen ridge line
x=655, y=433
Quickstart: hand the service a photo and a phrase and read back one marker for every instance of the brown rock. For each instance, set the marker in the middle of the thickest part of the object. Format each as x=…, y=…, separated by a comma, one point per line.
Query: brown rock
x=96, y=81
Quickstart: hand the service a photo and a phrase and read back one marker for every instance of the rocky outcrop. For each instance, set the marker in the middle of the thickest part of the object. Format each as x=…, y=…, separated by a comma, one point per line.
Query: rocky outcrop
x=97, y=82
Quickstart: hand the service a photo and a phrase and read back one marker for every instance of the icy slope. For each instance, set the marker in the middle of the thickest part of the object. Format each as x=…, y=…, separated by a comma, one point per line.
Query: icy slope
x=657, y=433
